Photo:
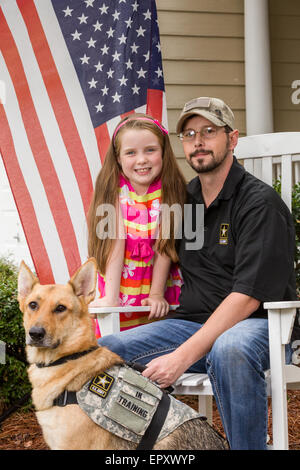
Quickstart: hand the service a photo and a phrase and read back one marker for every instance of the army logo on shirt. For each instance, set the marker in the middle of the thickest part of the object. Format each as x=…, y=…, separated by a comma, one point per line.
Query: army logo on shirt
x=224, y=234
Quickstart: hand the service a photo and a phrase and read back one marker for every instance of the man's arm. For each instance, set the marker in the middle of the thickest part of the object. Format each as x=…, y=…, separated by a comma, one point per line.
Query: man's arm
x=167, y=369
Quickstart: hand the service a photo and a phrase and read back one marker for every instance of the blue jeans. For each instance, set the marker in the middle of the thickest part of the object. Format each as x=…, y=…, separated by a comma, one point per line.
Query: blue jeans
x=235, y=366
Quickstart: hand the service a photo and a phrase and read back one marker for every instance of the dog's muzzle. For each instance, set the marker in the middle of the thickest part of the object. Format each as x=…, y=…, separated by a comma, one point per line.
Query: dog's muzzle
x=37, y=333
x=37, y=336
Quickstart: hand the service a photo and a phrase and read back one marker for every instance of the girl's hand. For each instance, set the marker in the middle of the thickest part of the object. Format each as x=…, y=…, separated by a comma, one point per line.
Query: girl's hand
x=159, y=306
x=103, y=302
x=165, y=370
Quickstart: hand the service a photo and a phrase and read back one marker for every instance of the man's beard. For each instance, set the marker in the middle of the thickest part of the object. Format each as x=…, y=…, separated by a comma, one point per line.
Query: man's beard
x=201, y=167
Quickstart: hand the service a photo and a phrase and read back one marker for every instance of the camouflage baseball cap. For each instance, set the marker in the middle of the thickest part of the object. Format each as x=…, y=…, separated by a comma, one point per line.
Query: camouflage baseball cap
x=213, y=109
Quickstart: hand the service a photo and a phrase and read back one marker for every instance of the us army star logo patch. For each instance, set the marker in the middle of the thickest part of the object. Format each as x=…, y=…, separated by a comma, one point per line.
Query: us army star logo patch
x=101, y=384
x=224, y=234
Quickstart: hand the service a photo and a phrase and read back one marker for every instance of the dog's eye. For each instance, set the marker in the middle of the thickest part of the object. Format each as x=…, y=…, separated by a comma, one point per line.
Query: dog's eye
x=33, y=305
x=60, y=308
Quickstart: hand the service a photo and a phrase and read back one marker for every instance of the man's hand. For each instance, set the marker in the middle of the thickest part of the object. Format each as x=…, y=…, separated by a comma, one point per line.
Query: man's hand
x=159, y=306
x=165, y=370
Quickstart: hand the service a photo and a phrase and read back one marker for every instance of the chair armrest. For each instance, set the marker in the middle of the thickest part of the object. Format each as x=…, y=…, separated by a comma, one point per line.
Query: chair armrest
x=281, y=316
x=108, y=310
x=282, y=304
x=109, y=317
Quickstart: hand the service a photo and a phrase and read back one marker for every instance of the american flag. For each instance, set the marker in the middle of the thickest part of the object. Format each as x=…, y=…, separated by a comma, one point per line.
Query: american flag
x=71, y=69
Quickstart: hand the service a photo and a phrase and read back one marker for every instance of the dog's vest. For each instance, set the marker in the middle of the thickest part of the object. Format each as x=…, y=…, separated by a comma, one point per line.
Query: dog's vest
x=123, y=402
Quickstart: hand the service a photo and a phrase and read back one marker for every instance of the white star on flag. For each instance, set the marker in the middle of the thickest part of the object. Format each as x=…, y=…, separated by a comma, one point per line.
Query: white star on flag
x=116, y=97
x=91, y=42
x=129, y=22
x=84, y=59
x=140, y=31
x=93, y=83
x=83, y=18
x=134, y=48
x=104, y=49
x=76, y=35
x=104, y=90
x=135, y=89
x=97, y=26
x=116, y=56
x=141, y=73
x=116, y=15
x=135, y=6
x=147, y=15
x=110, y=33
x=103, y=9
x=99, y=66
x=68, y=11
x=129, y=64
x=159, y=72
x=122, y=39
x=123, y=81
x=89, y=3
x=99, y=107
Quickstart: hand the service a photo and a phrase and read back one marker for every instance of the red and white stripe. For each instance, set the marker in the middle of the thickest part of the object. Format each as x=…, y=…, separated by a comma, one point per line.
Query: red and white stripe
x=48, y=144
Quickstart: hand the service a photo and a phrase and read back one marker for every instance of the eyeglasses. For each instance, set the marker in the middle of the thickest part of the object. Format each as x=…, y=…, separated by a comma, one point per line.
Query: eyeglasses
x=206, y=133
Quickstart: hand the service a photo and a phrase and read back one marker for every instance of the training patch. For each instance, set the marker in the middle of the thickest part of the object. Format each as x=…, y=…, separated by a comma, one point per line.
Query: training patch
x=133, y=407
x=224, y=234
x=123, y=402
x=101, y=384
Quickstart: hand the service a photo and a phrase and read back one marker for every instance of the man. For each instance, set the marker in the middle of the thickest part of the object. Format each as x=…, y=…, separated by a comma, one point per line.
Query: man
x=220, y=326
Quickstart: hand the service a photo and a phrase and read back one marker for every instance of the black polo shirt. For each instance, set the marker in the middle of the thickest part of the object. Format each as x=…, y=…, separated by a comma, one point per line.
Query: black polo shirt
x=249, y=244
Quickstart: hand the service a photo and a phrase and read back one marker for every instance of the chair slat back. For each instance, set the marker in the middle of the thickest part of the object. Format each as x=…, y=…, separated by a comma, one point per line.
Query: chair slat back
x=270, y=157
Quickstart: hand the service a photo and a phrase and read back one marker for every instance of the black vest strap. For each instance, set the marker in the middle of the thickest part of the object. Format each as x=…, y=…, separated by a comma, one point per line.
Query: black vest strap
x=149, y=438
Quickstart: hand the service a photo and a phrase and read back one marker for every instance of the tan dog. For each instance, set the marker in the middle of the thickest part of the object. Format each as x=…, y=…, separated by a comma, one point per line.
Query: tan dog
x=57, y=324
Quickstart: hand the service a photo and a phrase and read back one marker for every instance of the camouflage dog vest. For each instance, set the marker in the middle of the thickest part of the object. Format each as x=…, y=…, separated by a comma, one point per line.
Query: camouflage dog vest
x=123, y=401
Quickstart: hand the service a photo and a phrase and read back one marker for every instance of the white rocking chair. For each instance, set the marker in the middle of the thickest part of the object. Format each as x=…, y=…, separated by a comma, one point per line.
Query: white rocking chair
x=268, y=157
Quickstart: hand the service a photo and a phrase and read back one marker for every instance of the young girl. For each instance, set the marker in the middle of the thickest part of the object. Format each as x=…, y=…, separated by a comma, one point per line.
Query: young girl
x=137, y=267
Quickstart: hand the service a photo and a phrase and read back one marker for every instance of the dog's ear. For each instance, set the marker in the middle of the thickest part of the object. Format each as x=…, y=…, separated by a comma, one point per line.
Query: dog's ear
x=84, y=280
x=26, y=281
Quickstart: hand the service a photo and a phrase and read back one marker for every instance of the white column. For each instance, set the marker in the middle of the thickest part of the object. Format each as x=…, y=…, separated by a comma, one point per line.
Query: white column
x=259, y=106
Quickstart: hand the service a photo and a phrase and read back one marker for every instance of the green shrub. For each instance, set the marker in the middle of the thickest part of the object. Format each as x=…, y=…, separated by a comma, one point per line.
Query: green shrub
x=13, y=374
x=296, y=218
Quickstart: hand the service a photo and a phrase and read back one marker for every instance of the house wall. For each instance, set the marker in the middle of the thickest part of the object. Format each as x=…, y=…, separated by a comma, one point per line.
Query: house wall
x=12, y=239
x=285, y=56
x=203, y=55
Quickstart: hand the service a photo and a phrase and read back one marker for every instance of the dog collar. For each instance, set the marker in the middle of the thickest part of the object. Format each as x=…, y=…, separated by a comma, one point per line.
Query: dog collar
x=64, y=359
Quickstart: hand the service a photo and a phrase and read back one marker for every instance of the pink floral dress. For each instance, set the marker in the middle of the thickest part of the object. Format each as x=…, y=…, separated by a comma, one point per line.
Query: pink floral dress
x=141, y=219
